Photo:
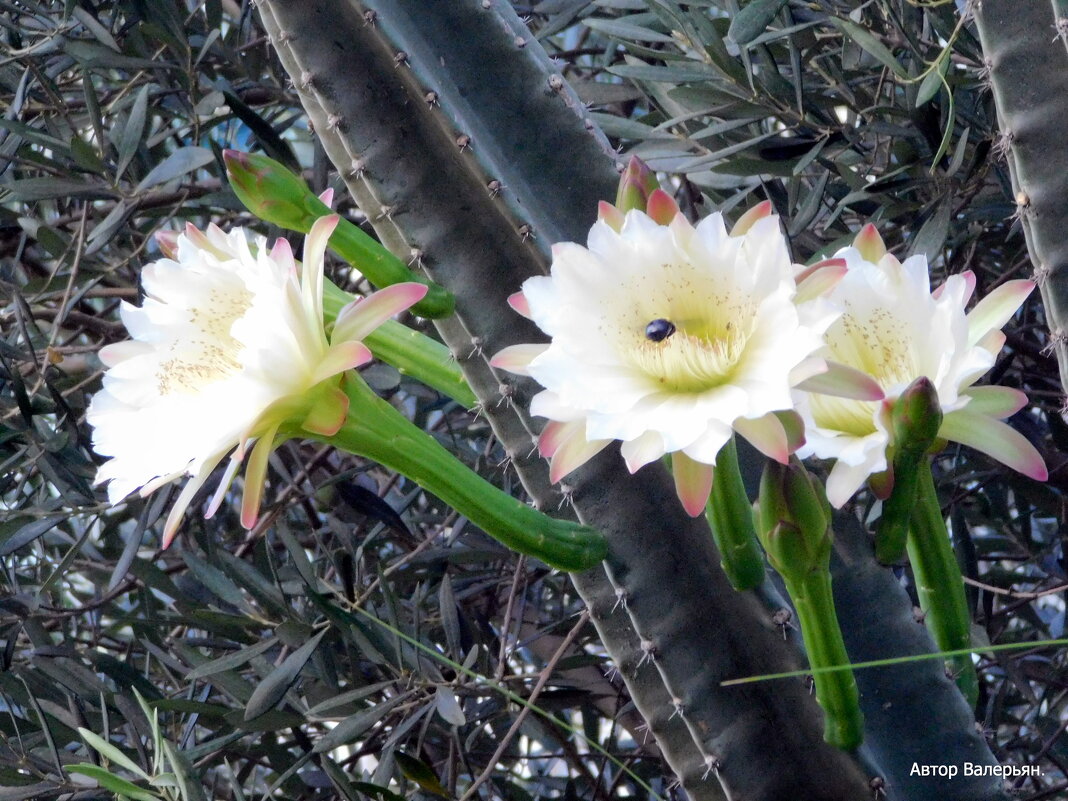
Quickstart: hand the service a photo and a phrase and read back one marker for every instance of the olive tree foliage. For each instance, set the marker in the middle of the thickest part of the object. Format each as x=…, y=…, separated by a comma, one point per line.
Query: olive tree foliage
x=439, y=663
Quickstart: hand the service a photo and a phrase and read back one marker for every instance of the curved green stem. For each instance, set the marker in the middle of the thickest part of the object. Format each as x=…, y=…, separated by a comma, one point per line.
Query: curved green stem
x=836, y=692
x=730, y=516
x=410, y=351
x=892, y=532
x=939, y=584
x=376, y=430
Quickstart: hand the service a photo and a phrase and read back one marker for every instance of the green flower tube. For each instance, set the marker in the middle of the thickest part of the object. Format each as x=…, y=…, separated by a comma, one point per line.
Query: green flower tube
x=410, y=351
x=377, y=431
x=939, y=584
x=730, y=516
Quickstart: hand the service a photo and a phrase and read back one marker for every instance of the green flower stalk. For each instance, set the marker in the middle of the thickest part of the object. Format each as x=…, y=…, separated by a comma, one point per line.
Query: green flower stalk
x=915, y=418
x=939, y=584
x=730, y=516
x=377, y=431
x=276, y=195
x=794, y=528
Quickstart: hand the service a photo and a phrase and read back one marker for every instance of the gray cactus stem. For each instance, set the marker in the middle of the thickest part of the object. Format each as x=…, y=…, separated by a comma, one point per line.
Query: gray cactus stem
x=1025, y=44
x=881, y=625
x=764, y=740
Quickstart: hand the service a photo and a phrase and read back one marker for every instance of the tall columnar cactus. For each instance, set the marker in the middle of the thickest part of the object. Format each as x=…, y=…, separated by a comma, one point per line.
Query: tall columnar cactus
x=1025, y=44
x=471, y=171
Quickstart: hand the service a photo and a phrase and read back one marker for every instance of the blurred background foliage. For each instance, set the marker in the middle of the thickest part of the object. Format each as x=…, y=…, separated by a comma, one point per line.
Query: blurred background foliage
x=257, y=654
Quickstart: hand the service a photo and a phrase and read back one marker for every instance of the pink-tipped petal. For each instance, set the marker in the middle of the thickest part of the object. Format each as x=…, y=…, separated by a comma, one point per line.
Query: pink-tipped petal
x=282, y=252
x=516, y=358
x=118, y=352
x=870, y=244
x=311, y=281
x=661, y=207
x=693, y=482
x=555, y=434
x=177, y=513
x=574, y=452
x=805, y=270
x=641, y=450
x=224, y=485
x=993, y=311
x=364, y=315
x=255, y=477
x=819, y=279
x=998, y=402
x=969, y=287
x=794, y=428
x=996, y=439
x=746, y=221
x=168, y=243
x=843, y=381
x=328, y=414
x=767, y=435
x=338, y=358
x=327, y=196
x=518, y=302
x=609, y=214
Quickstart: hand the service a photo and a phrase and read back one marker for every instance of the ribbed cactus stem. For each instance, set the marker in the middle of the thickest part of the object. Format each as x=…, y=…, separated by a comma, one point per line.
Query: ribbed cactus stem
x=1025, y=47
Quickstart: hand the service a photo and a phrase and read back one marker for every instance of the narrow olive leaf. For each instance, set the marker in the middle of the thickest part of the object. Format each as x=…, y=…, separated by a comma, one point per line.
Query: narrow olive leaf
x=14, y=534
x=751, y=21
x=932, y=234
x=627, y=30
x=131, y=132
x=419, y=772
x=111, y=752
x=933, y=81
x=863, y=37
x=188, y=778
x=354, y=725
x=448, y=707
x=177, y=164
x=450, y=619
x=116, y=784
x=231, y=661
x=272, y=689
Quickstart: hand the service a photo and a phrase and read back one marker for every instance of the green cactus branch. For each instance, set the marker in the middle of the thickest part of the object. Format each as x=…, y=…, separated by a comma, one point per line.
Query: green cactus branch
x=1025, y=44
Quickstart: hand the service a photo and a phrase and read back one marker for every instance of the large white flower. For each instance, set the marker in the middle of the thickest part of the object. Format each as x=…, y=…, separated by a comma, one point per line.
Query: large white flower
x=228, y=348
x=669, y=338
x=896, y=329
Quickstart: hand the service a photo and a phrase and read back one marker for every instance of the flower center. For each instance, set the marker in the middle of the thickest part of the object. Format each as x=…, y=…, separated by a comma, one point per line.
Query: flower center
x=208, y=352
x=689, y=356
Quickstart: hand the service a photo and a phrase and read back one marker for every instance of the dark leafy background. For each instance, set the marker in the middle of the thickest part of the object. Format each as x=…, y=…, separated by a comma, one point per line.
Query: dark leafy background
x=249, y=645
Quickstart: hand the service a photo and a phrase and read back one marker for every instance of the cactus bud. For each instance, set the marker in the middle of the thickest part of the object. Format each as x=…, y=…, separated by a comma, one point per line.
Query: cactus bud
x=791, y=501
x=916, y=416
x=272, y=192
x=636, y=184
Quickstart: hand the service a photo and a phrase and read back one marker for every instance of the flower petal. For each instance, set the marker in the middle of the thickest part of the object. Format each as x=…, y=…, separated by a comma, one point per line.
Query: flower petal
x=359, y=318
x=328, y=414
x=997, y=308
x=643, y=449
x=574, y=452
x=843, y=381
x=998, y=402
x=746, y=221
x=693, y=482
x=256, y=477
x=518, y=301
x=338, y=358
x=515, y=358
x=996, y=439
x=767, y=435
x=311, y=283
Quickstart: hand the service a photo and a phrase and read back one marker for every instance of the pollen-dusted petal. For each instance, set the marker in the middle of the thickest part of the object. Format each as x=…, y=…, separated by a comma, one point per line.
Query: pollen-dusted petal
x=693, y=482
x=996, y=439
x=516, y=358
x=574, y=452
x=359, y=318
x=843, y=381
x=343, y=356
x=997, y=308
x=745, y=222
x=518, y=302
x=999, y=402
x=767, y=435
